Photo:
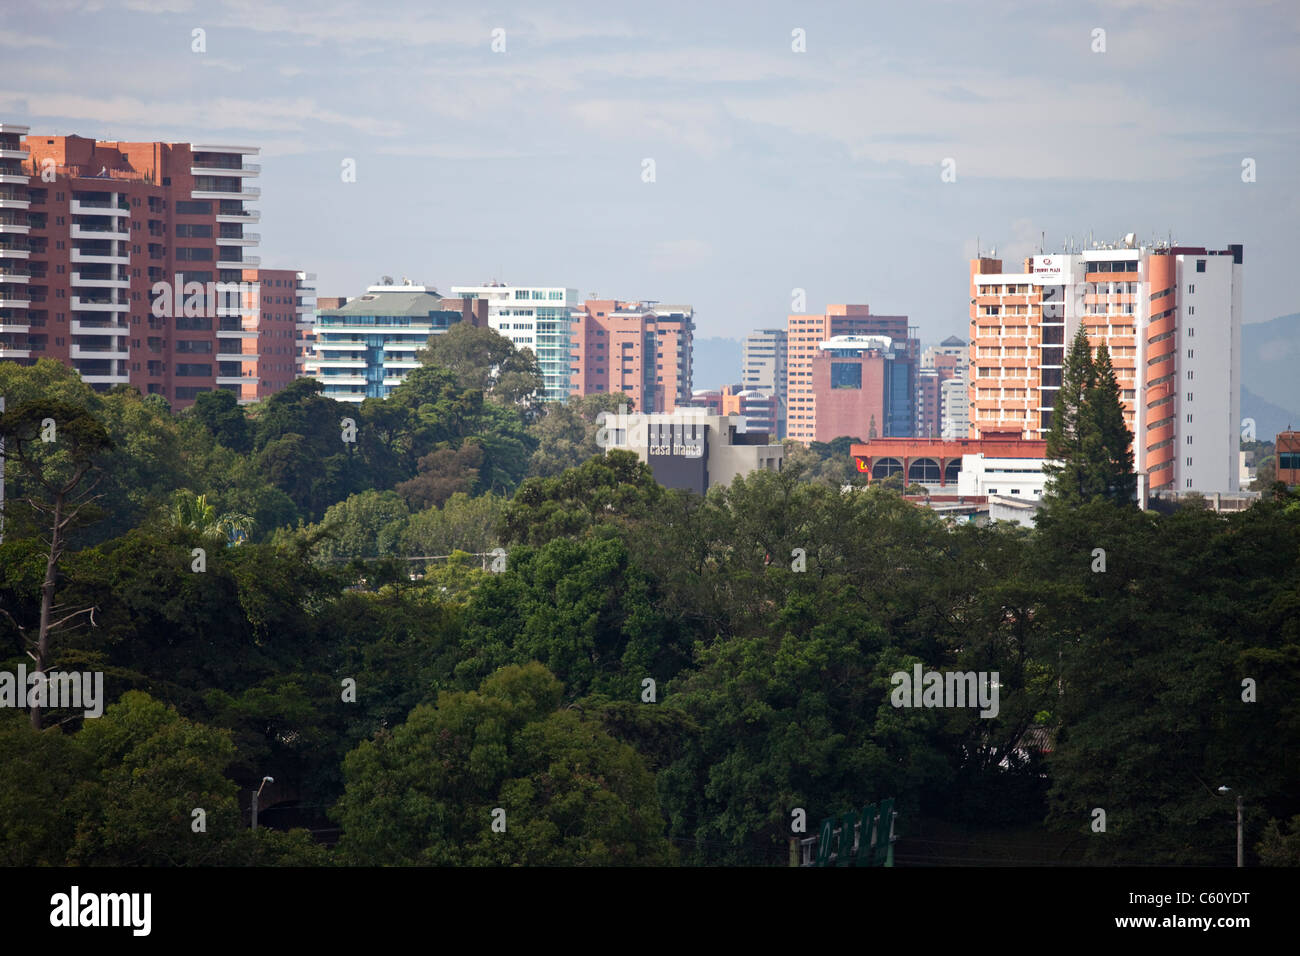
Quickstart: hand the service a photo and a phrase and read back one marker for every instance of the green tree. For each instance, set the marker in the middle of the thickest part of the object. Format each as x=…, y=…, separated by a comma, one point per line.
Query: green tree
x=483, y=359
x=426, y=791
x=1088, y=444
x=53, y=451
x=1114, y=453
x=1071, y=437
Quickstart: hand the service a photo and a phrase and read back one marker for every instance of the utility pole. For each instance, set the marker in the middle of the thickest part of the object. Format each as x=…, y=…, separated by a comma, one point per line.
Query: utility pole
x=1240, y=858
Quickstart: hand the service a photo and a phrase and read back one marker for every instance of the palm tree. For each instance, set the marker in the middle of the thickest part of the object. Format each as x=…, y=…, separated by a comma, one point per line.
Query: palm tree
x=195, y=513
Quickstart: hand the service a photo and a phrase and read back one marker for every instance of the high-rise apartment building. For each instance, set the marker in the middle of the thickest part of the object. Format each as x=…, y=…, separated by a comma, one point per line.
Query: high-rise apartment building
x=939, y=364
x=763, y=368
x=1171, y=319
x=536, y=318
x=805, y=335
x=105, y=226
x=641, y=349
x=365, y=347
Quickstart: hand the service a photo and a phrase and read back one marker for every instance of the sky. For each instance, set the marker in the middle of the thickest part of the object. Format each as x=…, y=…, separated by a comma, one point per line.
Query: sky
x=775, y=169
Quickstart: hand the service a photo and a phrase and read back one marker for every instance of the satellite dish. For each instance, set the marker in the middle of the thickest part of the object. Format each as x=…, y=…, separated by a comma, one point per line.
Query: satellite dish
x=1130, y=240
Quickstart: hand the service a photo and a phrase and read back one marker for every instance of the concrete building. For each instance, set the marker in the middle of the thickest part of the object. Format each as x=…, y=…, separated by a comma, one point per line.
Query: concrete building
x=641, y=349
x=954, y=405
x=939, y=364
x=763, y=369
x=863, y=387
x=804, y=336
x=998, y=475
x=104, y=226
x=694, y=451
x=1287, y=449
x=365, y=347
x=1170, y=316
x=536, y=318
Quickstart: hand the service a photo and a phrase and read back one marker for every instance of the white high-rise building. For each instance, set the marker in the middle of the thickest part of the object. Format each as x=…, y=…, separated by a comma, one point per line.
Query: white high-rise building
x=763, y=368
x=1170, y=316
x=536, y=318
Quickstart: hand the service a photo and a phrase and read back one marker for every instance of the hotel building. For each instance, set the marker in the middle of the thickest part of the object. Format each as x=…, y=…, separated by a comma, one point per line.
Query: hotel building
x=1171, y=319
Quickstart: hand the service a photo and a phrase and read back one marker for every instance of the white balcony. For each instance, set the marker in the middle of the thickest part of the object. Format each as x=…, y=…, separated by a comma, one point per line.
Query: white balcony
x=13, y=303
x=81, y=328
x=328, y=380
x=83, y=207
x=6, y=277
x=117, y=379
x=248, y=192
x=14, y=253
x=116, y=259
x=236, y=333
x=78, y=304
x=237, y=380
x=79, y=231
x=82, y=352
x=248, y=262
x=14, y=353
x=13, y=229
x=15, y=204
x=247, y=239
x=209, y=148
x=15, y=180
x=251, y=215
x=248, y=169
x=14, y=154
x=94, y=282
x=13, y=326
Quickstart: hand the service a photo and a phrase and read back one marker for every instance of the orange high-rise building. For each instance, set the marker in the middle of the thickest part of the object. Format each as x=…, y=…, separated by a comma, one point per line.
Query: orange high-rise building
x=1170, y=317
x=804, y=337
x=640, y=349
x=129, y=257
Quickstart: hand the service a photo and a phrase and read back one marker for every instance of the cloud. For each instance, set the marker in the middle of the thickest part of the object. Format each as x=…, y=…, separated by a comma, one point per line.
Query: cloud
x=221, y=113
x=673, y=254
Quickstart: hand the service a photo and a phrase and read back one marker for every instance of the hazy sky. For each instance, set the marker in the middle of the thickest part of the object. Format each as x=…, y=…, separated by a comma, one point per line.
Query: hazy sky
x=774, y=169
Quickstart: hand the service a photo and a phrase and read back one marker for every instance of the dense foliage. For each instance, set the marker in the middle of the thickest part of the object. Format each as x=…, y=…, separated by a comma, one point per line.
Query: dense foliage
x=637, y=676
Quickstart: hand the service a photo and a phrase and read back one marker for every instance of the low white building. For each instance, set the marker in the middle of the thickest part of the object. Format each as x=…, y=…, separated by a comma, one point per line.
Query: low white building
x=689, y=450
x=1013, y=486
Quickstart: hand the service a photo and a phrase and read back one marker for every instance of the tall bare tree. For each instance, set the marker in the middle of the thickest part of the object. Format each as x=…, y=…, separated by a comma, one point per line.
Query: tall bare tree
x=52, y=452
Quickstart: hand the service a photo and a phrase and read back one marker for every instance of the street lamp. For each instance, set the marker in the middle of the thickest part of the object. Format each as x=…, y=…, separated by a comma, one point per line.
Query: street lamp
x=1224, y=791
x=265, y=781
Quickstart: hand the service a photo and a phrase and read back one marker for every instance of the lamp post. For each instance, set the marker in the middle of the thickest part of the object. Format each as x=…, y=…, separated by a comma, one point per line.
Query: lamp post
x=1240, y=857
x=265, y=781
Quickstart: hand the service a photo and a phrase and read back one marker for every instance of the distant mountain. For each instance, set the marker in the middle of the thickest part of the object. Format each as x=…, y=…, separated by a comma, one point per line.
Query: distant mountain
x=716, y=362
x=1269, y=418
x=1270, y=386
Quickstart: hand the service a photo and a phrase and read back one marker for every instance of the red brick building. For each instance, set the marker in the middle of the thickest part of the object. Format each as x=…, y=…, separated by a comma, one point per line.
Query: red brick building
x=640, y=349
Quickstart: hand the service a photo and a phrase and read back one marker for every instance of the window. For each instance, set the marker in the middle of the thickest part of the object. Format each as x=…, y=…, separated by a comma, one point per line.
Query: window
x=1189, y=482
x=1189, y=353
x=1189, y=396
x=1189, y=373
x=1189, y=439
x=1191, y=288
x=1191, y=333
x=1189, y=418
x=1200, y=265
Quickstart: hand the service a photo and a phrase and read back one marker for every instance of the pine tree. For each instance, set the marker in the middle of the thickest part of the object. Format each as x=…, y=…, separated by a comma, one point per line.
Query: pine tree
x=1114, y=461
x=1088, y=437
x=1069, y=439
